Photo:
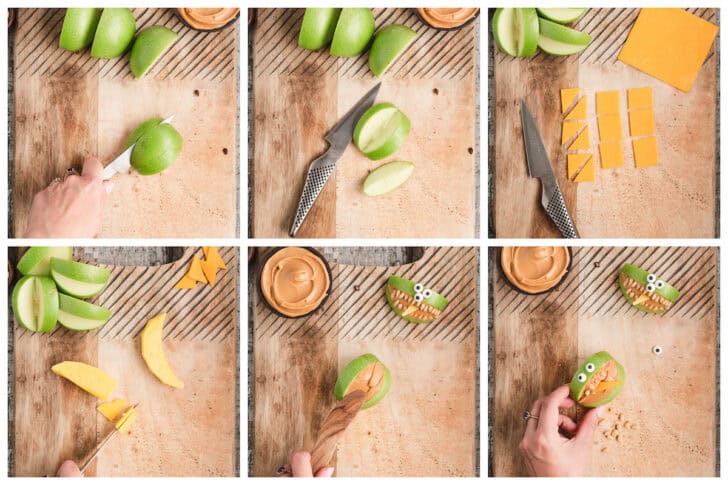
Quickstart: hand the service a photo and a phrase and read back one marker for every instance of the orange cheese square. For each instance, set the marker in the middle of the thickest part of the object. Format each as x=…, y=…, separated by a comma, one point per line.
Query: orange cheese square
x=642, y=122
x=195, y=272
x=610, y=154
x=638, y=98
x=210, y=271
x=570, y=129
x=645, y=152
x=579, y=110
x=582, y=141
x=186, y=283
x=568, y=95
x=587, y=173
x=610, y=128
x=607, y=103
x=574, y=161
x=669, y=44
x=213, y=256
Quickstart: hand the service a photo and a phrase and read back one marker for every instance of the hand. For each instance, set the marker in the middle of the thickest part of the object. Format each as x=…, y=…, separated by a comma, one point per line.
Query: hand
x=547, y=452
x=72, y=208
x=69, y=469
x=301, y=467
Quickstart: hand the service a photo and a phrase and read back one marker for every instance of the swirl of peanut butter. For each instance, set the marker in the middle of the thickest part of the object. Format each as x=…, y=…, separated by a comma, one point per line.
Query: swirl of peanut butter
x=294, y=281
x=535, y=269
x=447, y=18
x=208, y=18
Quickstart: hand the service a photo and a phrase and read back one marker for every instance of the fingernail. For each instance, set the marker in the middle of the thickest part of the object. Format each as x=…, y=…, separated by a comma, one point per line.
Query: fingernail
x=281, y=470
x=329, y=471
x=600, y=411
x=109, y=187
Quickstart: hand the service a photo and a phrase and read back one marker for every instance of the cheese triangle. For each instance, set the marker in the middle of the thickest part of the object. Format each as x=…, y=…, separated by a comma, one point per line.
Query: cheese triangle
x=186, y=283
x=195, y=272
x=213, y=256
x=210, y=271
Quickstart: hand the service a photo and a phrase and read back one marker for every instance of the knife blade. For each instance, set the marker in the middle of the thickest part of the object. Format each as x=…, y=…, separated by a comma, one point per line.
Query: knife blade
x=91, y=456
x=122, y=163
x=321, y=168
x=539, y=166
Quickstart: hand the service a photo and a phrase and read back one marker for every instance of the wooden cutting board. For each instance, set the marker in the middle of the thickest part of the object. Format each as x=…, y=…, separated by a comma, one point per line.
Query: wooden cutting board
x=298, y=95
x=188, y=432
x=624, y=202
x=68, y=106
x=426, y=425
x=540, y=340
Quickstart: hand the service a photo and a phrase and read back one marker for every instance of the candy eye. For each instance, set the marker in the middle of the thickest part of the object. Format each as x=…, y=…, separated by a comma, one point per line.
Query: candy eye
x=581, y=377
x=419, y=288
x=659, y=284
x=650, y=287
x=657, y=350
x=589, y=367
x=419, y=297
x=427, y=293
x=651, y=278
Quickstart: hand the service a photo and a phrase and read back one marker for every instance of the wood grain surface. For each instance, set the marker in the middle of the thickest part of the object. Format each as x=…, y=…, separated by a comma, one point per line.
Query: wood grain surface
x=425, y=426
x=70, y=105
x=539, y=341
x=298, y=95
x=622, y=202
x=188, y=432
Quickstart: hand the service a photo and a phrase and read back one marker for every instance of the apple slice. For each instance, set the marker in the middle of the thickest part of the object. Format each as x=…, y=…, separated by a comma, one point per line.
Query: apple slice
x=75, y=314
x=114, y=33
x=78, y=279
x=558, y=40
x=111, y=410
x=381, y=130
x=387, y=177
x=389, y=43
x=562, y=15
x=353, y=32
x=365, y=373
x=153, y=352
x=157, y=146
x=317, y=27
x=149, y=46
x=36, y=260
x=79, y=26
x=124, y=422
x=515, y=31
x=35, y=303
x=87, y=377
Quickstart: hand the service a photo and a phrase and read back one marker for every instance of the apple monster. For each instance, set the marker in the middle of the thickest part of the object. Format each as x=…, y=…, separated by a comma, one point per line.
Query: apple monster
x=412, y=301
x=598, y=381
x=645, y=290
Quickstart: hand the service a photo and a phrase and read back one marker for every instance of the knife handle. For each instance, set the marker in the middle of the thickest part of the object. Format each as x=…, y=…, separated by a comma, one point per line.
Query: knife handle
x=315, y=181
x=556, y=209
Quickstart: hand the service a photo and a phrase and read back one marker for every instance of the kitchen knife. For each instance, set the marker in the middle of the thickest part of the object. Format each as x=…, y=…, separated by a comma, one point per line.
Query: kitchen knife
x=122, y=163
x=321, y=169
x=91, y=456
x=539, y=167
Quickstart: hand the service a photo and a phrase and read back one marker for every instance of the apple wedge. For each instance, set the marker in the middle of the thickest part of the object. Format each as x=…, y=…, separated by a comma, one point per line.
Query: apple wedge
x=153, y=352
x=92, y=380
x=149, y=46
x=559, y=40
x=78, y=279
x=365, y=373
x=123, y=424
x=353, y=32
x=111, y=410
x=515, y=31
x=389, y=43
x=562, y=15
x=317, y=27
x=79, y=27
x=37, y=260
x=387, y=177
x=75, y=314
x=381, y=130
x=35, y=303
x=114, y=33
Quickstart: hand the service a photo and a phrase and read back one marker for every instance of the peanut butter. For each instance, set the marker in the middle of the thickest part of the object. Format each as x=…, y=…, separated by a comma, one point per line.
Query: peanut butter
x=447, y=18
x=294, y=281
x=208, y=18
x=535, y=269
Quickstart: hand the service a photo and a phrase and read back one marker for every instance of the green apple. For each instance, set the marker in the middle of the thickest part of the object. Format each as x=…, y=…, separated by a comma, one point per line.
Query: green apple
x=558, y=40
x=114, y=33
x=598, y=381
x=149, y=46
x=79, y=26
x=387, y=177
x=562, y=15
x=157, y=146
x=364, y=373
x=389, y=43
x=413, y=301
x=515, y=31
x=646, y=291
x=317, y=27
x=36, y=260
x=78, y=279
x=353, y=32
x=381, y=130
x=75, y=314
x=35, y=303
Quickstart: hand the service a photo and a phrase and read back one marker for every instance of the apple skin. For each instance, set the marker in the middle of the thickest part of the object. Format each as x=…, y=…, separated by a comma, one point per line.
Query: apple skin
x=78, y=315
x=352, y=369
x=149, y=46
x=396, y=173
x=599, y=360
x=317, y=27
x=396, y=138
x=79, y=27
x=36, y=260
x=559, y=40
x=389, y=43
x=157, y=146
x=114, y=33
x=408, y=286
x=354, y=30
x=79, y=279
x=562, y=15
x=503, y=27
x=49, y=296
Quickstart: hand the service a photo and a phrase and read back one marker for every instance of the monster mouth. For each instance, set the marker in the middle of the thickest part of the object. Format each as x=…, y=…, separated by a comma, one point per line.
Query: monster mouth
x=408, y=307
x=600, y=384
x=638, y=294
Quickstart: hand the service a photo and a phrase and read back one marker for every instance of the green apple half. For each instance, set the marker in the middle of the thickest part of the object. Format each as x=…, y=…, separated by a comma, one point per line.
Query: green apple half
x=365, y=373
x=353, y=32
x=387, y=177
x=37, y=260
x=157, y=146
x=558, y=40
x=412, y=301
x=149, y=46
x=646, y=291
x=562, y=15
x=114, y=33
x=317, y=27
x=75, y=314
x=79, y=279
x=79, y=26
x=515, y=31
x=598, y=381
x=35, y=303
x=381, y=130
x=389, y=43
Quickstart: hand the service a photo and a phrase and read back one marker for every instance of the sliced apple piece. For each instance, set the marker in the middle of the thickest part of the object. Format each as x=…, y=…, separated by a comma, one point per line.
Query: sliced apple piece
x=79, y=27
x=387, y=177
x=562, y=15
x=123, y=424
x=35, y=303
x=365, y=373
x=354, y=29
x=114, y=33
x=153, y=352
x=113, y=409
x=558, y=40
x=317, y=27
x=381, y=131
x=389, y=43
x=75, y=314
x=89, y=378
x=79, y=279
x=149, y=46
x=515, y=31
x=37, y=260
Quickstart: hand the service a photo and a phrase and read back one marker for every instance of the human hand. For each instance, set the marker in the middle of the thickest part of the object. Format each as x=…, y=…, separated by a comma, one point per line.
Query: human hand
x=547, y=452
x=72, y=208
x=301, y=467
x=69, y=469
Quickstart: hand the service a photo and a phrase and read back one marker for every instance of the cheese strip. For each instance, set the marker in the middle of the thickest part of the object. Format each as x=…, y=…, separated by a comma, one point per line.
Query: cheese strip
x=610, y=154
x=610, y=128
x=642, y=122
x=645, y=152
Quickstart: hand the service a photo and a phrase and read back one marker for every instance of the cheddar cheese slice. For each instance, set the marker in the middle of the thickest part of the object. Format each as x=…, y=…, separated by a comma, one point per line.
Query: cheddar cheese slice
x=607, y=103
x=186, y=283
x=638, y=98
x=195, y=272
x=587, y=173
x=610, y=154
x=568, y=130
x=213, y=256
x=645, y=152
x=582, y=141
x=575, y=161
x=642, y=122
x=610, y=128
x=579, y=111
x=210, y=271
x=568, y=95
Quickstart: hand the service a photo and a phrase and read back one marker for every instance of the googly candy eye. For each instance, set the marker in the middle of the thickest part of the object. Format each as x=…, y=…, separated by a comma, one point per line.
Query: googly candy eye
x=589, y=367
x=659, y=284
x=419, y=287
x=581, y=377
x=651, y=278
x=650, y=287
x=419, y=297
x=657, y=350
x=427, y=293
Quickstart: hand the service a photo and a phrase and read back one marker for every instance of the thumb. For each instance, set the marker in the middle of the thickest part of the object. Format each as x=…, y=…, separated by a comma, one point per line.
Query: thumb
x=92, y=169
x=588, y=426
